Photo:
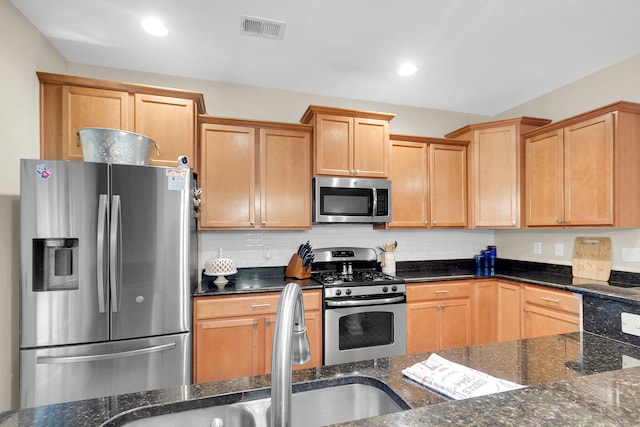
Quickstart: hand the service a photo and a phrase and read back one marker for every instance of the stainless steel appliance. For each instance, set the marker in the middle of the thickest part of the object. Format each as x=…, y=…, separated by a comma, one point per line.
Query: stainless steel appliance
x=337, y=200
x=107, y=259
x=364, y=309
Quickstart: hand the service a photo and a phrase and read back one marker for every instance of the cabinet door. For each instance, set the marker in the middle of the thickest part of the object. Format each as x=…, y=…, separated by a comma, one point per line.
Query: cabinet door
x=539, y=321
x=313, y=320
x=408, y=172
x=484, y=311
x=423, y=327
x=544, y=180
x=88, y=107
x=170, y=122
x=508, y=311
x=333, y=145
x=588, y=172
x=227, y=176
x=455, y=326
x=227, y=348
x=285, y=179
x=495, y=193
x=448, y=185
x=371, y=148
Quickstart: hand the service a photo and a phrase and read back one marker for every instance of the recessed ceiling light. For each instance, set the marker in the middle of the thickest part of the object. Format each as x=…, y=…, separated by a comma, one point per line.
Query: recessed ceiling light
x=154, y=27
x=407, y=69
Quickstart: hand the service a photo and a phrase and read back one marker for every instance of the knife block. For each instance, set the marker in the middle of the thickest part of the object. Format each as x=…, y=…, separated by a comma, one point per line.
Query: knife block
x=296, y=270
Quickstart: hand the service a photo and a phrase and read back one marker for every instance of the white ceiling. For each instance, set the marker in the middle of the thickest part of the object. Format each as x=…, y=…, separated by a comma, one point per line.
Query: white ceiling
x=475, y=56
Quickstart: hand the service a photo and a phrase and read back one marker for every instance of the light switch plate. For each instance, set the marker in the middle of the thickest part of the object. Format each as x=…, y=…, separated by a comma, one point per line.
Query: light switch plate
x=537, y=247
x=630, y=323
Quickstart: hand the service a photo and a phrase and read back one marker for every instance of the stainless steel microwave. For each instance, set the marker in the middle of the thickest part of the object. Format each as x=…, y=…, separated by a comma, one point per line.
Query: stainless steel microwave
x=344, y=200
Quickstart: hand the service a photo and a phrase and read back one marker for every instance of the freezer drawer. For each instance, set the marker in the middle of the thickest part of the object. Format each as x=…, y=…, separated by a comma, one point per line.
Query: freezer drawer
x=62, y=374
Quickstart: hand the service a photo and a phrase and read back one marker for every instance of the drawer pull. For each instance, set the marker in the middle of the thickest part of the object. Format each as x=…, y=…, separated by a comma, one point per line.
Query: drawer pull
x=549, y=299
x=442, y=292
x=260, y=305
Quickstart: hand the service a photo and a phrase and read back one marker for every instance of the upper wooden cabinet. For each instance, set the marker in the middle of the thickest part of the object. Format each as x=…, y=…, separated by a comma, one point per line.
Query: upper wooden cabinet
x=254, y=174
x=69, y=103
x=583, y=171
x=429, y=182
x=349, y=142
x=495, y=168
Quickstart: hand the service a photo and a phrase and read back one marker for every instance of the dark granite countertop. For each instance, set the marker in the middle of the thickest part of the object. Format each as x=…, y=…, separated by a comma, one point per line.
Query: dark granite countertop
x=574, y=379
x=252, y=280
x=622, y=286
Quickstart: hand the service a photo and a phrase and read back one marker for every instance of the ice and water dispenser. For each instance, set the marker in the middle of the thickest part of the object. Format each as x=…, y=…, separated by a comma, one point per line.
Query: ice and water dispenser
x=55, y=264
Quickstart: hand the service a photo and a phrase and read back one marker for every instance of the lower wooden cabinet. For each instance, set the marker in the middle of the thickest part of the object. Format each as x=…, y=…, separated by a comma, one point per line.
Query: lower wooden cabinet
x=438, y=316
x=548, y=311
x=233, y=335
x=484, y=311
x=508, y=311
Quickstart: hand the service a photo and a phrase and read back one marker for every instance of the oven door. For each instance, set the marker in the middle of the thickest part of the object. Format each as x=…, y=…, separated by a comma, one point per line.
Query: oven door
x=364, y=332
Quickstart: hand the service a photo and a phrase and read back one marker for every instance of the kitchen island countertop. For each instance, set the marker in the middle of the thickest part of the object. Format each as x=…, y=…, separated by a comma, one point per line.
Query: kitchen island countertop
x=573, y=379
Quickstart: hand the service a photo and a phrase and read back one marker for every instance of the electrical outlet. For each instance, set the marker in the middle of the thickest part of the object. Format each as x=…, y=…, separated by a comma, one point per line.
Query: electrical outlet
x=630, y=323
x=537, y=247
x=631, y=254
x=558, y=249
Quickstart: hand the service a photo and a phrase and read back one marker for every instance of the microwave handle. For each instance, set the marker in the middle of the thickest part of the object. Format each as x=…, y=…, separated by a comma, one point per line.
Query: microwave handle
x=375, y=202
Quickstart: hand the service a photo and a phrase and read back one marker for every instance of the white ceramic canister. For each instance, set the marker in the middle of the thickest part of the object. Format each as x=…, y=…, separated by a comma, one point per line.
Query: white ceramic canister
x=389, y=266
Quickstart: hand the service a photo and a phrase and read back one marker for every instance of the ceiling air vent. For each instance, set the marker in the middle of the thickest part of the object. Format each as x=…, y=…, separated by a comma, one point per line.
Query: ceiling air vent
x=261, y=27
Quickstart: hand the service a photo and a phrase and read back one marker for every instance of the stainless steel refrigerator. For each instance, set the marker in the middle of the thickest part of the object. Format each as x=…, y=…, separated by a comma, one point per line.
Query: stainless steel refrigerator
x=108, y=256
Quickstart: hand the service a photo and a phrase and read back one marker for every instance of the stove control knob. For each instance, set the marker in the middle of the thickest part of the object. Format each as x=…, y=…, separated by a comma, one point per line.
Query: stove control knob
x=394, y=288
x=338, y=292
x=348, y=292
x=385, y=289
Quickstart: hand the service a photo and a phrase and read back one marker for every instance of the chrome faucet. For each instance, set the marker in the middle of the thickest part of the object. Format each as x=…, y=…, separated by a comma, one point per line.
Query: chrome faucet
x=290, y=345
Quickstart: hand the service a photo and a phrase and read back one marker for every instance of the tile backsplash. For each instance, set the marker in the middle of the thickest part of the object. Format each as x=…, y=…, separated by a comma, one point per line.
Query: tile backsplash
x=274, y=248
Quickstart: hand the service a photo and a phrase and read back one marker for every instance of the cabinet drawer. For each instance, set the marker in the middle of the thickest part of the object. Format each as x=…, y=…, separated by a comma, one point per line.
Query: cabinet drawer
x=438, y=290
x=212, y=307
x=559, y=300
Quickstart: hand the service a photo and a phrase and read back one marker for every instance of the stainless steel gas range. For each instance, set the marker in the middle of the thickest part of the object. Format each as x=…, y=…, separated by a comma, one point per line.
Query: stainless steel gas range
x=364, y=309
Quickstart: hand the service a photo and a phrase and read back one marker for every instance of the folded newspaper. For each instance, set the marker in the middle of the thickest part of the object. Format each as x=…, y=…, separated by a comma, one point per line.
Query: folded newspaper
x=455, y=380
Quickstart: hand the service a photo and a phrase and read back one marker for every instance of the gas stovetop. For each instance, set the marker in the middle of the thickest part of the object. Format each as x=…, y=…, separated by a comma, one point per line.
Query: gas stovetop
x=349, y=271
x=357, y=278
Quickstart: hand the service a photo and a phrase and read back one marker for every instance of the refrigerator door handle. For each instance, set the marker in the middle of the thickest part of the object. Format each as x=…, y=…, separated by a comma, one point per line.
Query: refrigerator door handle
x=105, y=356
x=115, y=252
x=102, y=230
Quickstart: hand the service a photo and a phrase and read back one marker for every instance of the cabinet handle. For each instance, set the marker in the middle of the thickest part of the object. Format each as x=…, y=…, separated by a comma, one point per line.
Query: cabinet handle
x=559, y=221
x=260, y=305
x=264, y=222
x=549, y=299
x=526, y=310
x=357, y=171
x=440, y=306
x=566, y=221
x=513, y=222
x=255, y=323
x=434, y=222
x=267, y=322
x=426, y=222
x=445, y=291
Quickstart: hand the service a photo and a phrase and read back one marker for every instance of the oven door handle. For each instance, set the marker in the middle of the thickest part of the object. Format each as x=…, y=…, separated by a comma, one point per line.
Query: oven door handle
x=356, y=303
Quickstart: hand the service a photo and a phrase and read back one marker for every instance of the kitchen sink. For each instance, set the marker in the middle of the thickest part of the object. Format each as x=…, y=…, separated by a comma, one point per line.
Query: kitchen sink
x=317, y=403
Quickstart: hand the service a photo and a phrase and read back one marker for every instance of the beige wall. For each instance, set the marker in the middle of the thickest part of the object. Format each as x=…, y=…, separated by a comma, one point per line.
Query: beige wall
x=23, y=50
x=618, y=82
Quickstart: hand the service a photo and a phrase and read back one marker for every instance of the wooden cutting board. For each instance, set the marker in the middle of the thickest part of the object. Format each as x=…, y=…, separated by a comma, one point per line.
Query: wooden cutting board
x=592, y=258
